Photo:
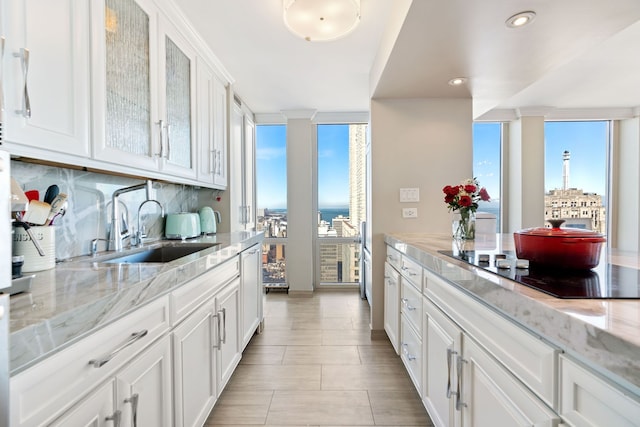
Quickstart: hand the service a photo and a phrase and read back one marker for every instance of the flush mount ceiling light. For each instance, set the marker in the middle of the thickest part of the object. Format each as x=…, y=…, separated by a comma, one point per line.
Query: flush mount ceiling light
x=458, y=81
x=520, y=19
x=321, y=20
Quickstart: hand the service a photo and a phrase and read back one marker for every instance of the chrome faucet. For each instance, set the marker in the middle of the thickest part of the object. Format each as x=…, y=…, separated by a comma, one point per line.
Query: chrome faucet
x=119, y=230
x=140, y=233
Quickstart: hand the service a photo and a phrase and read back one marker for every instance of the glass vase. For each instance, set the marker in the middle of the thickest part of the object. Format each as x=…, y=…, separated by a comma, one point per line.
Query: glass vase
x=464, y=227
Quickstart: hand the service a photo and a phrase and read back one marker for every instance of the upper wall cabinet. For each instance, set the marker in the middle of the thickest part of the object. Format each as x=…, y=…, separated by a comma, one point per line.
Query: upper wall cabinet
x=46, y=75
x=211, y=127
x=143, y=89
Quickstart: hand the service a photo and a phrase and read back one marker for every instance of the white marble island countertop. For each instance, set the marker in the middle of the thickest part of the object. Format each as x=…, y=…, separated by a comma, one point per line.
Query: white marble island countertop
x=80, y=296
x=603, y=333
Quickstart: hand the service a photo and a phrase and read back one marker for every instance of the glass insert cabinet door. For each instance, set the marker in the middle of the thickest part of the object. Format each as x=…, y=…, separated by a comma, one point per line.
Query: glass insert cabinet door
x=147, y=82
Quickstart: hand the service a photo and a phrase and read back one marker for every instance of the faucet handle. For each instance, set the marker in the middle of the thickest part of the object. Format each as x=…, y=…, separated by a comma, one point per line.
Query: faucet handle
x=94, y=245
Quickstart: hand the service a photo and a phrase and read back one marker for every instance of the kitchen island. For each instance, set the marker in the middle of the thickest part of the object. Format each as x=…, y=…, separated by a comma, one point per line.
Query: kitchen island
x=581, y=357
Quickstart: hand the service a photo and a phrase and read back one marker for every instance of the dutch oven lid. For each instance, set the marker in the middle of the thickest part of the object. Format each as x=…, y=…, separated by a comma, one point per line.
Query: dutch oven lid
x=556, y=231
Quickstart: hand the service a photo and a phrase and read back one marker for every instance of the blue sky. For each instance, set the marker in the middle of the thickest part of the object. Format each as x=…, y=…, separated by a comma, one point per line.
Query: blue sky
x=586, y=141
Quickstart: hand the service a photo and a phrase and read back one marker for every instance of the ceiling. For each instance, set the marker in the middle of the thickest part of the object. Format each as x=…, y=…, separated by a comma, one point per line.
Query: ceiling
x=575, y=54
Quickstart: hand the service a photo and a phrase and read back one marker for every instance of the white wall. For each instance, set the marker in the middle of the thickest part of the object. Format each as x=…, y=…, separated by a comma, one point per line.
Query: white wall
x=626, y=178
x=421, y=143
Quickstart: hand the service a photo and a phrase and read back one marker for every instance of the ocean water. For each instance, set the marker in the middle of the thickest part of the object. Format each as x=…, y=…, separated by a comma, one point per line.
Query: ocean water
x=327, y=214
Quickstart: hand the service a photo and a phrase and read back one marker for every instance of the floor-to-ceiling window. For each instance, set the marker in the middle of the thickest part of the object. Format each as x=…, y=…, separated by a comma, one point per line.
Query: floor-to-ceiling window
x=271, y=183
x=487, y=141
x=341, y=202
x=576, y=173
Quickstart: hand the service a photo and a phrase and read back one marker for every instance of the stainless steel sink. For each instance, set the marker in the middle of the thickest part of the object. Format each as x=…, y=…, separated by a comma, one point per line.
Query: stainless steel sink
x=162, y=254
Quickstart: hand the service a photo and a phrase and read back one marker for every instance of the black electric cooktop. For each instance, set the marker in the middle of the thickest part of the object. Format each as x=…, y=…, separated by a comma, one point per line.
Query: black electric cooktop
x=604, y=281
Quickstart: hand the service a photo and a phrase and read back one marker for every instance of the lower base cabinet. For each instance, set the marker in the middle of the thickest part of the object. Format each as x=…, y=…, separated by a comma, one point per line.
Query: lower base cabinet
x=138, y=396
x=466, y=386
x=228, y=312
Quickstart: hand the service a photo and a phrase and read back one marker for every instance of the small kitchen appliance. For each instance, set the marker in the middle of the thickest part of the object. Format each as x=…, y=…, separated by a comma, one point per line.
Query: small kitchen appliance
x=208, y=220
x=183, y=225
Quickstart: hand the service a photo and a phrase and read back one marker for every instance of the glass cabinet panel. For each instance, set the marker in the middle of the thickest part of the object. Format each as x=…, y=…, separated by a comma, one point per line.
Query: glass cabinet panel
x=128, y=99
x=178, y=104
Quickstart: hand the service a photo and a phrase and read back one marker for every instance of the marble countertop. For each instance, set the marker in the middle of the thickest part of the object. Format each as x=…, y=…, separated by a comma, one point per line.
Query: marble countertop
x=82, y=295
x=603, y=333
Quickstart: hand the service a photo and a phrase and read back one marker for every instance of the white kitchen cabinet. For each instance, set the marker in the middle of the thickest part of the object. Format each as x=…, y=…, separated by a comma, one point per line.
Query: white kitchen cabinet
x=143, y=89
x=228, y=314
x=411, y=352
x=98, y=410
x=392, y=305
x=251, y=287
x=63, y=379
x=144, y=388
x=587, y=399
x=46, y=74
x=211, y=127
x=465, y=386
x=194, y=357
x=242, y=169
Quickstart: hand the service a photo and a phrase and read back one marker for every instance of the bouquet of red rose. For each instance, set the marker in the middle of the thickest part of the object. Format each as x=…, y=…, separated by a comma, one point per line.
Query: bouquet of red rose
x=465, y=196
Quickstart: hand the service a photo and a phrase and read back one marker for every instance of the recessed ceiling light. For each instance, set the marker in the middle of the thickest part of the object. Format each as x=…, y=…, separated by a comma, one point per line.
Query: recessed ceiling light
x=520, y=19
x=457, y=81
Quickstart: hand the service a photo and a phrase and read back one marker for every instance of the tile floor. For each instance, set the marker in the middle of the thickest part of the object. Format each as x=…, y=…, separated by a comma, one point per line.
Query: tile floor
x=316, y=365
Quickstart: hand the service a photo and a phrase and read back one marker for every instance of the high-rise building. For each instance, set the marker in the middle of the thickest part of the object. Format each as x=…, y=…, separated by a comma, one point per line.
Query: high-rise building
x=357, y=174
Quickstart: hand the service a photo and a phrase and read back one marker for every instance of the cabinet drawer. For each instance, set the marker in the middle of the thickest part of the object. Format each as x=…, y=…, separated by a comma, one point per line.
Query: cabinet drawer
x=411, y=353
x=411, y=305
x=394, y=258
x=529, y=358
x=190, y=296
x=411, y=271
x=588, y=400
x=42, y=392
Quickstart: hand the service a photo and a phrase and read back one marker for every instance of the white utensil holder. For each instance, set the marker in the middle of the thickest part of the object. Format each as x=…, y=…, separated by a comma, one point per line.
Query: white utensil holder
x=22, y=245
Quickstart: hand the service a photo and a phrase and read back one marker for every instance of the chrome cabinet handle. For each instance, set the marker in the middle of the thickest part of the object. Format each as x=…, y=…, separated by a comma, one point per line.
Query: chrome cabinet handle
x=450, y=354
x=160, y=124
x=224, y=325
x=134, y=408
x=219, y=162
x=219, y=327
x=168, y=141
x=26, y=104
x=459, y=402
x=115, y=418
x=405, y=302
x=212, y=161
x=2, y=41
x=98, y=363
x=405, y=350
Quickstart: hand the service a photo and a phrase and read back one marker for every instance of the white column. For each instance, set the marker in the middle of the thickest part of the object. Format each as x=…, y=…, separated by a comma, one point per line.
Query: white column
x=525, y=173
x=301, y=217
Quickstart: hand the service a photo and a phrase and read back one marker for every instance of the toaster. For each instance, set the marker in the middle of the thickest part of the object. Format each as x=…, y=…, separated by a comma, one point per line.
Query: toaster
x=182, y=225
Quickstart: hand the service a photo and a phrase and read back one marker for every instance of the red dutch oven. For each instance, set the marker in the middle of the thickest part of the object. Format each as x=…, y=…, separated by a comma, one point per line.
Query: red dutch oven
x=567, y=248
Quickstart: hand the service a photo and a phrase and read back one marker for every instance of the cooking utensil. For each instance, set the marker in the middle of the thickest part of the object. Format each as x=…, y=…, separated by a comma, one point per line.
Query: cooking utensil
x=51, y=193
x=56, y=205
x=27, y=230
x=565, y=248
x=37, y=213
x=60, y=214
x=19, y=201
x=32, y=195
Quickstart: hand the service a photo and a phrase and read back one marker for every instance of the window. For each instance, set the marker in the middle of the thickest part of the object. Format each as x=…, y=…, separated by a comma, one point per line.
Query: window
x=271, y=185
x=341, y=201
x=487, y=141
x=576, y=173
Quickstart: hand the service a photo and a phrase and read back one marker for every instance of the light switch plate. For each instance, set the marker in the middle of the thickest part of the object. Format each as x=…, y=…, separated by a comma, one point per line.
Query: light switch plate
x=409, y=212
x=409, y=195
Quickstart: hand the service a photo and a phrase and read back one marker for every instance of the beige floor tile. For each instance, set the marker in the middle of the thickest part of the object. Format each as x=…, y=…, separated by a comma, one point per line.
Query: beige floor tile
x=349, y=337
x=339, y=323
x=263, y=354
x=378, y=354
x=320, y=408
x=284, y=337
x=321, y=355
x=275, y=377
x=365, y=377
x=398, y=408
x=241, y=407
x=271, y=323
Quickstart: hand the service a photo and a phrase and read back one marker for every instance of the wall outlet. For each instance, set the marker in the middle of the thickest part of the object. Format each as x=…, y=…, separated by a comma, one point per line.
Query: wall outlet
x=409, y=195
x=409, y=212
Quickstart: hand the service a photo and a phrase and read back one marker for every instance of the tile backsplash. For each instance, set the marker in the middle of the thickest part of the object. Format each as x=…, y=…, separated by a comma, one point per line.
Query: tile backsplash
x=88, y=215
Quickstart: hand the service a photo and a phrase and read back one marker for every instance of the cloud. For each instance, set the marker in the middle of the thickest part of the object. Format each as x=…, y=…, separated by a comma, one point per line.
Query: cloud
x=326, y=153
x=484, y=163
